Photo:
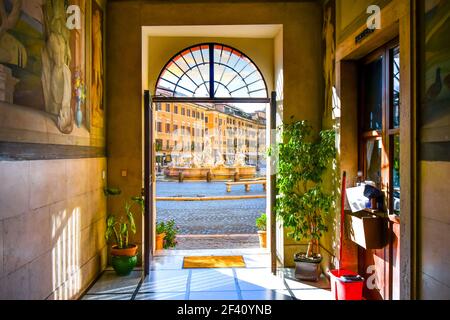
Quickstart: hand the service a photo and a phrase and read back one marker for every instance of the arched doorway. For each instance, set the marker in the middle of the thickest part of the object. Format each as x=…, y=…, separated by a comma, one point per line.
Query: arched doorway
x=205, y=82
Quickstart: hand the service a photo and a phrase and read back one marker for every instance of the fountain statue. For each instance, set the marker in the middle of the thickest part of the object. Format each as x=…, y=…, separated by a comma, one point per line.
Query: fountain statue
x=239, y=158
x=199, y=165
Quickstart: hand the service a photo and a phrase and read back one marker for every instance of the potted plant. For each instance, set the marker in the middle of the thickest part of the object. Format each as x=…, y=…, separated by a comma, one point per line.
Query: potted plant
x=160, y=235
x=302, y=203
x=261, y=224
x=166, y=233
x=118, y=227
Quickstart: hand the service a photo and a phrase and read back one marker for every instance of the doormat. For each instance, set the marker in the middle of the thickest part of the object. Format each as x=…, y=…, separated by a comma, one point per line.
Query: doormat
x=213, y=262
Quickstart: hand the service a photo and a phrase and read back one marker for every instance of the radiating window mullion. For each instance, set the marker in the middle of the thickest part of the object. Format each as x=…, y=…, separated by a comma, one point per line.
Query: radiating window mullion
x=179, y=86
x=238, y=77
x=199, y=71
x=262, y=89
x=252, y=73
x=223, y=72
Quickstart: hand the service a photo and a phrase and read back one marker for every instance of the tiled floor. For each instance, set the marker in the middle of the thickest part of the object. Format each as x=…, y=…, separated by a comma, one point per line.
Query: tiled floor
x=169, y=281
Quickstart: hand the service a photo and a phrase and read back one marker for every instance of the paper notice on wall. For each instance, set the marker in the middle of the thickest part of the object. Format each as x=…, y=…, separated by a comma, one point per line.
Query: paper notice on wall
x=356, y=198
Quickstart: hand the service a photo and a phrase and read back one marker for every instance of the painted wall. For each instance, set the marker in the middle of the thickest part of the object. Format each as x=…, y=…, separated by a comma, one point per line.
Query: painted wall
x=303, y=94
x=434, y=150
x=52, y=223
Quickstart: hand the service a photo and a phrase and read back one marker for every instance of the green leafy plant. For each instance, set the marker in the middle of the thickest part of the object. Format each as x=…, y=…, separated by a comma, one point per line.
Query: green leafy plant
x=302, y=204
x=261, y=222
x=119, y=226
x=171, y=231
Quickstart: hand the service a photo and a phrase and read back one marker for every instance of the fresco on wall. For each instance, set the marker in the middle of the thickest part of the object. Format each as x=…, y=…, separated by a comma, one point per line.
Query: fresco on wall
x=435, y=80
x=97, y=81
x=21, y=45
x=42, y=61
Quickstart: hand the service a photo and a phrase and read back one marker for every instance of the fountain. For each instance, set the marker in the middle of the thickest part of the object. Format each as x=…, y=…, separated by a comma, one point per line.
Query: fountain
x=198, y=164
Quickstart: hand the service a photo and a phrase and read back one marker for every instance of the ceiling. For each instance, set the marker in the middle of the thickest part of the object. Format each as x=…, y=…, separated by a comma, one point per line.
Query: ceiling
x=267, y=31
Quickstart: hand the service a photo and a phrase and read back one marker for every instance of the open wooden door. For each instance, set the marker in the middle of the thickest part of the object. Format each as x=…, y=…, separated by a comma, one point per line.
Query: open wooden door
x=272, y=185
x=148, y=183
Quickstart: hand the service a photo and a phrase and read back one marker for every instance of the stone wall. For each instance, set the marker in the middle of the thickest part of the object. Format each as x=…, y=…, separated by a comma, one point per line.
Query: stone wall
x=52, y=223
x=434, y=230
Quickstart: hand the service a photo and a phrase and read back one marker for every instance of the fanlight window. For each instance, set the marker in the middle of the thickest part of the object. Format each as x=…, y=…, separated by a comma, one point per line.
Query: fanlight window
x=211, y=71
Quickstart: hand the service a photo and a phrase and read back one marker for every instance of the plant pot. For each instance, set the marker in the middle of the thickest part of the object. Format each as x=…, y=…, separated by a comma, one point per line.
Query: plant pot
x=307, y=269
x=262, y=239
x=124, y=261
x=160, y=241
x=127, y=252
x=123, y=265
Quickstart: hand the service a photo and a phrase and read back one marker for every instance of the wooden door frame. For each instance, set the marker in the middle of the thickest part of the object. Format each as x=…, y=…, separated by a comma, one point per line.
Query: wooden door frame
x=148, y=183
x=398, y=20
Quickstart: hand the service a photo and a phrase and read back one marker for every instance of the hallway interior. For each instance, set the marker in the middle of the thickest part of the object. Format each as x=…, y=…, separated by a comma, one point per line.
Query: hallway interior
x=169, y=281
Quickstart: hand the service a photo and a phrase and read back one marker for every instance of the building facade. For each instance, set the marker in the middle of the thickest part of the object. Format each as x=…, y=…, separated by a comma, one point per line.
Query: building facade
x=222, y=130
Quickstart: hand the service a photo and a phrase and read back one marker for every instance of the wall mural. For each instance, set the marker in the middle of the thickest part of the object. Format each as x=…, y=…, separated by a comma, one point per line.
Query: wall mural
x=44, y=63
x=97, y=65
x=435, y=80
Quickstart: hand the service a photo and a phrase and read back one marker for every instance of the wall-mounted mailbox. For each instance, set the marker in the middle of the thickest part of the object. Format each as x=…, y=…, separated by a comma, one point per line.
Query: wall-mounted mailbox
x=368, y=230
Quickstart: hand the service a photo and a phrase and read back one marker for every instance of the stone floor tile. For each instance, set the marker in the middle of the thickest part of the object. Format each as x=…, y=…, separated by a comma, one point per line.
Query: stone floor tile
x=110, y=283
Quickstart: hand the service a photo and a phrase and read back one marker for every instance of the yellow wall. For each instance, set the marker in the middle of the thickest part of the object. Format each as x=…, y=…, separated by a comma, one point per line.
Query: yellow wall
x=351, y=14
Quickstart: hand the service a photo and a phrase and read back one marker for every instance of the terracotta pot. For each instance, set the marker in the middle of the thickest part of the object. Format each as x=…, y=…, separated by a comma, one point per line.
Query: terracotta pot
x=262, y=239
x=128, y=252
x=160, y=241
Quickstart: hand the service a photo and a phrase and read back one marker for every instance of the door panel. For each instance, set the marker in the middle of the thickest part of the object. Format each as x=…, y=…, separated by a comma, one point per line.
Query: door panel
x=148, y=183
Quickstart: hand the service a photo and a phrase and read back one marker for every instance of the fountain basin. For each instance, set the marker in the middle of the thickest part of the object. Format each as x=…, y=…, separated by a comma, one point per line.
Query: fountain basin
x=216, y=173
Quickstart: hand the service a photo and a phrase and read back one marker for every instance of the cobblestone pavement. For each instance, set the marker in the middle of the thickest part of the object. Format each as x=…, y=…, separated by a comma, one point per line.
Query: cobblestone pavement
x=209, y=217
x=215, y=242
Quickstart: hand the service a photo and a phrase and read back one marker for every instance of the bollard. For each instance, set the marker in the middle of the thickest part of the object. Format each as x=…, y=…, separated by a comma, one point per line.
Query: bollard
x=180, y=177
x=208, y=176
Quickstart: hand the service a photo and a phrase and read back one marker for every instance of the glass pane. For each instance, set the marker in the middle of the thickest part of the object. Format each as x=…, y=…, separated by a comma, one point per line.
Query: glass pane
x=187, y=84
x=163, y=84
x=373, y=95
x=373, y=160
x=197, y=55
x=175, y=69
x=396, y=89
x=396, y=175
x=170, y=77
x=189, y=58
x=181, y=63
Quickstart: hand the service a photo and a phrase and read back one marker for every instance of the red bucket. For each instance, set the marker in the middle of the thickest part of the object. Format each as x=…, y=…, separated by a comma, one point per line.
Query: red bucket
x=346, y=285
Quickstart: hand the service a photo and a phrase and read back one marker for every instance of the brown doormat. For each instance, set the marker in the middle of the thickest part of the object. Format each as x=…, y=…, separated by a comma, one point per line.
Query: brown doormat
x=213, y=262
